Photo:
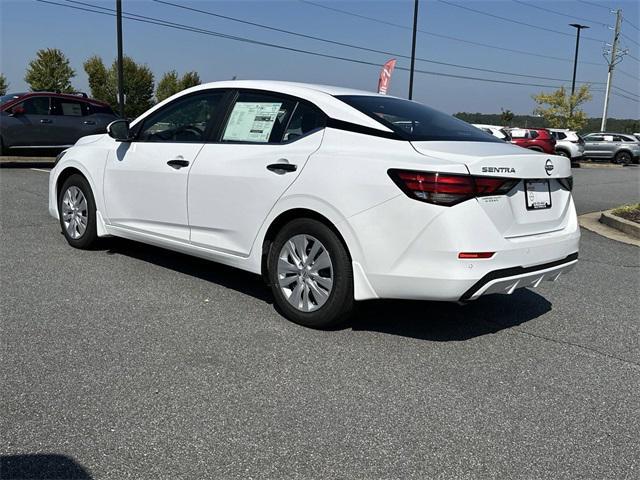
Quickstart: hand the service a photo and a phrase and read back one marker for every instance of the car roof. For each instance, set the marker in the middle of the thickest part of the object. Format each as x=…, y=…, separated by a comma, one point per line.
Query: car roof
x=68, y=96
x=323, y=96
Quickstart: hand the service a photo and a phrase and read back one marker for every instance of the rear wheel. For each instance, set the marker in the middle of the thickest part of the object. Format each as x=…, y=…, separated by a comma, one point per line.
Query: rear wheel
x=623, y=158
x=77, y=210
x=310, y=274
x=563, y=153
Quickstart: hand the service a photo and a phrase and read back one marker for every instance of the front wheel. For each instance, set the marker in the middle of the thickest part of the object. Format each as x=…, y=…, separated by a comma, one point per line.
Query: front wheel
x=77, y=211
x=310, y=274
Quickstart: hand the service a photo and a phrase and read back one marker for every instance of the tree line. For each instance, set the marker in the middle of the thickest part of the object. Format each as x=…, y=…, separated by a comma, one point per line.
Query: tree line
x=51, y=71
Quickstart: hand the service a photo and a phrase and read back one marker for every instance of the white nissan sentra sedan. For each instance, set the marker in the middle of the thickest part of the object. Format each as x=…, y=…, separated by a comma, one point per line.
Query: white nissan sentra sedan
x=333, y=195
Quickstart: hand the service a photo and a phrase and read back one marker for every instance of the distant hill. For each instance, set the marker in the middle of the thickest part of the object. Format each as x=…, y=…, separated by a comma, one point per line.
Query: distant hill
x=627, y=125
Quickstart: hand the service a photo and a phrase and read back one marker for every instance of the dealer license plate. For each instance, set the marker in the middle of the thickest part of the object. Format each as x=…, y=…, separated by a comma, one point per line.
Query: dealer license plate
x=538, y=194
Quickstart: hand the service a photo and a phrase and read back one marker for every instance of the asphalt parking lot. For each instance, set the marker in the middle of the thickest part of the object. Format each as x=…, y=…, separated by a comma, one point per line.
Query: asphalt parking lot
x=134, y=362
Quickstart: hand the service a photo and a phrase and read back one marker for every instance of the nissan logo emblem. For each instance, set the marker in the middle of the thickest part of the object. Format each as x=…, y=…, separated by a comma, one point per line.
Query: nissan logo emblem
x=548, y=167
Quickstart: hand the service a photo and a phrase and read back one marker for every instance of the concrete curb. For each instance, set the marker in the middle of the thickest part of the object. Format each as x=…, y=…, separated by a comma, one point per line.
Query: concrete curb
x=26, y=162
x=591, y=221
x=619, y=223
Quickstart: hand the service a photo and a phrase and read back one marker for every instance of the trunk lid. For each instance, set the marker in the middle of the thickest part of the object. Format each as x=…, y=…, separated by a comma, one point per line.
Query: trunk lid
x=510, y=213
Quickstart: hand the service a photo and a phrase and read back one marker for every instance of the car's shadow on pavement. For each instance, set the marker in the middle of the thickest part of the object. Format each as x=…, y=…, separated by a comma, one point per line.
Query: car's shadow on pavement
x=444, y=321
x=435, y=321
x=41, y=467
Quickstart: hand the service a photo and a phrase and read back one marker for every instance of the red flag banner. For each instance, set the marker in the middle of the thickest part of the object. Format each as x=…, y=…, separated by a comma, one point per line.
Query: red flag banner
x=385, y=76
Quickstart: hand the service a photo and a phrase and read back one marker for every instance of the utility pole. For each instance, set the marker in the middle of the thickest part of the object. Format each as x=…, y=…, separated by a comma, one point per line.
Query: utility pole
x=578, y=27
x=615, y=59
x=413, y=48
x=120, y=65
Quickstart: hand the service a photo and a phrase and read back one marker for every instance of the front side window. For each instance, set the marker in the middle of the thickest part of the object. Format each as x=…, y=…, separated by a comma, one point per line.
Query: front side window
x=34, y=106
x=258, y=118
x=414, y=121
x=184, y=120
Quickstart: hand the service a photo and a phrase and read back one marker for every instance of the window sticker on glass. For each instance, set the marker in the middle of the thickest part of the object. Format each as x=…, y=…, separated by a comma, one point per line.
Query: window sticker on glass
x=252, y=121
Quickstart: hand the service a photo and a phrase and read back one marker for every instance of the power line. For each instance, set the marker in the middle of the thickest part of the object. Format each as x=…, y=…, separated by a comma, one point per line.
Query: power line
x=626, y=91
x=538, y=7
x=518, y=22
x=164, y=23
x=358, y=47
x=439, y=35
x=630, y=39
x=595, y=4
x=635, y=77
x=630, y=24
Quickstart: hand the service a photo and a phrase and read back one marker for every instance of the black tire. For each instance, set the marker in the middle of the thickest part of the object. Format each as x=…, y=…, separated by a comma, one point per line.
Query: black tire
x=563, y=153
x=623, y=158
x=88, y=238
x=340, y=300
x=2, y=150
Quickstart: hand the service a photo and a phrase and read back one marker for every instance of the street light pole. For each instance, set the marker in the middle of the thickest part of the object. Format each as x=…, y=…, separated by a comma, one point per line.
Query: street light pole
x=120, y=66
x=413, y=48
x=578, y=27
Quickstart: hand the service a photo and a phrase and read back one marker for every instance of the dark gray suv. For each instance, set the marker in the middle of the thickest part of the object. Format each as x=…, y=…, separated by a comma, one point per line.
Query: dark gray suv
x=49, y=121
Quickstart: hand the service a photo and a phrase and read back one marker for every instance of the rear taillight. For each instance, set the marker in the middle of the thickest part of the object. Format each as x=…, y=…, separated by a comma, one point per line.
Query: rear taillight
x=566, y=183
x=447, y=189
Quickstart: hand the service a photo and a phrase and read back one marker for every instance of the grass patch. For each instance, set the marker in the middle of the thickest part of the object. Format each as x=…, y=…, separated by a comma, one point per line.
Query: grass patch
x=628, y=212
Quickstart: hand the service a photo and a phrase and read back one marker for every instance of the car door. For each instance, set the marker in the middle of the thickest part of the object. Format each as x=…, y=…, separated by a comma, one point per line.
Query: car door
x=70, y=120
x=260, y=150
x=145, y=181
x=593, y=145
x=28, y=124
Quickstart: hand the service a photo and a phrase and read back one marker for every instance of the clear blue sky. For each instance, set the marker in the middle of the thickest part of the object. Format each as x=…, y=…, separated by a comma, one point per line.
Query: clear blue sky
x=27, y=26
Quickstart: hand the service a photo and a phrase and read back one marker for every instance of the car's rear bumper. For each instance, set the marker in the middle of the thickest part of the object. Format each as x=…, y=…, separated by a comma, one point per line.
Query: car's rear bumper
x=509, y=279
x=407, y=256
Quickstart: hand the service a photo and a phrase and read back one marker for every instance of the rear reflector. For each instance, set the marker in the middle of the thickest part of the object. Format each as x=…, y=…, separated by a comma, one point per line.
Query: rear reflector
x=448, y=189
x=475, y=254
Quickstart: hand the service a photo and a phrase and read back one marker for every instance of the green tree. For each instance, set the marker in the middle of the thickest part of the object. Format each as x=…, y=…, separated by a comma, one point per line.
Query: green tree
x=506, y=116
x=190, y=79
x=98, y=78
x=171, y=83
x=138, y=84
x=168, y=85
x=4, y=85
x=560, y=109
x=50, y=71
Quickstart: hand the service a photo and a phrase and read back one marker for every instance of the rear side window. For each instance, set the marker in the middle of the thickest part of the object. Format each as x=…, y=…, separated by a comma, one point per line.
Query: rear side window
x=533, y=134
x=306, y=118
x=35, y=106
x=415, y=121
x=594, y=138
x=258, y=118
x=105, y=109
x=69, y=108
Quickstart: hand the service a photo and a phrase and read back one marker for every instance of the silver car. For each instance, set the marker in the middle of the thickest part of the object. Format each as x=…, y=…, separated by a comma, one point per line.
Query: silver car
x=618, y=147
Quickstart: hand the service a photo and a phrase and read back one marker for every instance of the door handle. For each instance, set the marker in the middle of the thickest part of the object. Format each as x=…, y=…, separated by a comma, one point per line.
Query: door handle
x=178, y=163
x=282, y=168
x=89, y=122
x=45, y=120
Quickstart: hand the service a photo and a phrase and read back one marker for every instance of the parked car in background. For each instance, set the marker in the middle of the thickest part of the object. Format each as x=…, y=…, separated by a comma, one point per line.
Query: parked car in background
x=617, y=147
x=49, y=121
x=637, y=135
x=538, y=139
x=568, y=143
x=497, y=131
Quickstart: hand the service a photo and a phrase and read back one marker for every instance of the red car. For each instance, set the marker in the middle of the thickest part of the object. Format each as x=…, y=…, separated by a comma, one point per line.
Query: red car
x=538, y=139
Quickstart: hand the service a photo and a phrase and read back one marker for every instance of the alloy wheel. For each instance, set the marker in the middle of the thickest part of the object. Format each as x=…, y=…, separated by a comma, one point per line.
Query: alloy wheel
x=305, y=272
x=75, y=214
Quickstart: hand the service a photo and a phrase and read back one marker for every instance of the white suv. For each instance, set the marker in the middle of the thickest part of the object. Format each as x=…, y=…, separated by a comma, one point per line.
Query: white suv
x=568, y=143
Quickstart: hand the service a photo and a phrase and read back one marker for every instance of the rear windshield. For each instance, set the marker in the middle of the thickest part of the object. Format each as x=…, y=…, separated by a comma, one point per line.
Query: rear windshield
x=416, y=122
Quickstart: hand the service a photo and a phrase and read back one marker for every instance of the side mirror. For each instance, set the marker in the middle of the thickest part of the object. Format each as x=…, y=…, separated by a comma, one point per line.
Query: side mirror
x=119, y=130
x=17, y=110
